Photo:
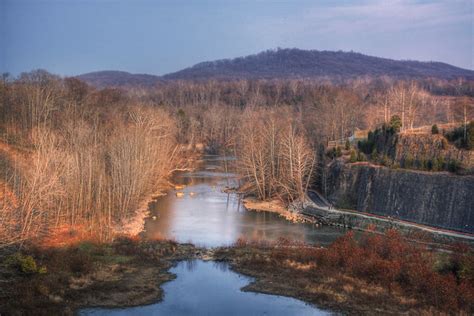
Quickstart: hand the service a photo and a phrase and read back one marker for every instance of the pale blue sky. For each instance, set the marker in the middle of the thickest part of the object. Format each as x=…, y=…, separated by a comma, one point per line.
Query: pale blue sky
x=70, y=37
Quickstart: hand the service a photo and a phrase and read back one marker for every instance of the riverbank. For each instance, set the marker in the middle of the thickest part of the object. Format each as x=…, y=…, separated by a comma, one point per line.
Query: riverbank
x=350, y=276
x=324, y=215
x=58, y=281
x=381, y=275
x=135, y=224
x=278, y=207
x=394, y=277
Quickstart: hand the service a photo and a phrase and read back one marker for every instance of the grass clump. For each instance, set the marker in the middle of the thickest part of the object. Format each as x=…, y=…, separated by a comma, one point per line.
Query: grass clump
x=25, y=264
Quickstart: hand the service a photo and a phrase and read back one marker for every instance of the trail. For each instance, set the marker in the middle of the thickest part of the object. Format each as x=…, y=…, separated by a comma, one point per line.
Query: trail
x=322, y=208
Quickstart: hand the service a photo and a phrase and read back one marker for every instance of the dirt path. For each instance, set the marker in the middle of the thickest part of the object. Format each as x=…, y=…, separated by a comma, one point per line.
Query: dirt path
x=321, y=205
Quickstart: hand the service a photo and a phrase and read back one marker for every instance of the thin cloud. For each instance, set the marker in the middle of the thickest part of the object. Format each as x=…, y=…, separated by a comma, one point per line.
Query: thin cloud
x=369, y=16
x=438, y=30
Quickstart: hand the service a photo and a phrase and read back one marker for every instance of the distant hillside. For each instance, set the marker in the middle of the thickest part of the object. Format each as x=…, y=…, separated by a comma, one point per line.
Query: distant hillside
x=102, y=79
x=297, y=63
x=287, y=64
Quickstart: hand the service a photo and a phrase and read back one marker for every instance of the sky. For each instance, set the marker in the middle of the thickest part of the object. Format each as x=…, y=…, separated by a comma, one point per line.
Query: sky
x=71, y=37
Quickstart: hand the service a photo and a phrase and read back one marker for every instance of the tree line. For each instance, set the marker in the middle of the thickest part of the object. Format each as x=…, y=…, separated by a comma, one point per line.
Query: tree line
x=78, y=155
x=72, y=159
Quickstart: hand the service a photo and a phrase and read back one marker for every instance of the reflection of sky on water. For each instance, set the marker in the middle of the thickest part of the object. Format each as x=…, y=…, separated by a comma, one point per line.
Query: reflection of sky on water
x=210, y=288
x=206, y=216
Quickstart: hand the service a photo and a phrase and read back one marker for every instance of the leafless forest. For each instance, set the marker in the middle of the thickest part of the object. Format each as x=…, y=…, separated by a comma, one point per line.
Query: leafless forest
x=75, y=155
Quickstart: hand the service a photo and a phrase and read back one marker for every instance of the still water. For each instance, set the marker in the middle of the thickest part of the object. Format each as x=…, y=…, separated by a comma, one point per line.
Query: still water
x=209, y=288
x=206, y=216
x=201, y=213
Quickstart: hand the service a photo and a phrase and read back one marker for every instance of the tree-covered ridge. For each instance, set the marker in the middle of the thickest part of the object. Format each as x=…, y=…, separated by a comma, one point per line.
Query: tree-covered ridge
x=290, y=64
x=297, y=63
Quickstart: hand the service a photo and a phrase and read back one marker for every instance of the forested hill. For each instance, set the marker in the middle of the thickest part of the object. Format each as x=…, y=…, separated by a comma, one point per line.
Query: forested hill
x=288, y=64
x=102, y=79
x=297, y=63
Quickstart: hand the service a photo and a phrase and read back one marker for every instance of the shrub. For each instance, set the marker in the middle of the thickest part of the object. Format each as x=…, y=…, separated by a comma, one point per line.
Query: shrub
x=388, y=260
x=73, y=260
x=453, y=165
x=374, y=156
x=434, y=129
x=408, y=161
x=367, y=145
x=386, y=161
x=331, y=153
x=396, y=123
x=126, y=246
x=429, y=164
x=378, y=139
x=80, y=262
x=42, y=270
x=425, y=164
x=240, y=243
x=437, y=164
x=335, y=152
x=347, y=145
x=457, y=137
x=361, y=156
x=353, y=157
x=24, y=263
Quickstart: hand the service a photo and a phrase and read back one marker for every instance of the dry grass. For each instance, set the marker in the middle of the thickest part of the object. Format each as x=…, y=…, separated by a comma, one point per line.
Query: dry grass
x=374, y=274
x=127, y=272
x=274, y=206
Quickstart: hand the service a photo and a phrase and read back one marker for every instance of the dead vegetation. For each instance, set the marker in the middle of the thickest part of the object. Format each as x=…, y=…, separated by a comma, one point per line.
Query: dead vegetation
x=89, y=165
x=78, y=163
x=93, y=157
x=275, y=158
x=128, y=272
x=368, y=275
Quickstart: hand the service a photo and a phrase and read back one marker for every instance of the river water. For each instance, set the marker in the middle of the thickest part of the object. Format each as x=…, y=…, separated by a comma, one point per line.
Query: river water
x=210, y=288
x=206, y=216
x=201, y=213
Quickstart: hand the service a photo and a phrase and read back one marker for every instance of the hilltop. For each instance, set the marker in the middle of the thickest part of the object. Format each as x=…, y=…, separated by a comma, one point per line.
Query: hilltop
x=110, y=78
x=289, y=64
x=297, y=63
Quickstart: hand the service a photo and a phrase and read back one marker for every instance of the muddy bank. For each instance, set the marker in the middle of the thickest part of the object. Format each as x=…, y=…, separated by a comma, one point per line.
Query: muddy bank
x=336, y=292
x=127, y=272
x=338, y=279
x=130, y=272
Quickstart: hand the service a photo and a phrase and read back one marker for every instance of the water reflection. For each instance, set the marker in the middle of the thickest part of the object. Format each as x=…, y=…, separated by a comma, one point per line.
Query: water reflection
x=209, y=288
x=206, y=216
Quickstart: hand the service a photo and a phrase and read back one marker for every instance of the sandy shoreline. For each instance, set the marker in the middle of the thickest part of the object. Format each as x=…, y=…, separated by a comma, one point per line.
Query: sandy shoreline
x=273, y=206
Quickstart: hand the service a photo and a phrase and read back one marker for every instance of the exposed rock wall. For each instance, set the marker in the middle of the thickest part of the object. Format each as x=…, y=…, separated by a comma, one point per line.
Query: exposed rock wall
x=437, y=199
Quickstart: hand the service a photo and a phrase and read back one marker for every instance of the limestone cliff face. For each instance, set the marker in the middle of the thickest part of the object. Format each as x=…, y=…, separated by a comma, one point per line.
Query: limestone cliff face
x=437, y=199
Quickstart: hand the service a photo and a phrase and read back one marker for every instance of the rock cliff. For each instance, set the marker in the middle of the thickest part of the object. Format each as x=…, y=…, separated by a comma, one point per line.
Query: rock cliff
x=437, y=199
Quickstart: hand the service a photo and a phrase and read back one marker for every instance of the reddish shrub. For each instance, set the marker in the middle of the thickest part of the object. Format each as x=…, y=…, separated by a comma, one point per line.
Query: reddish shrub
x=388, y=260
